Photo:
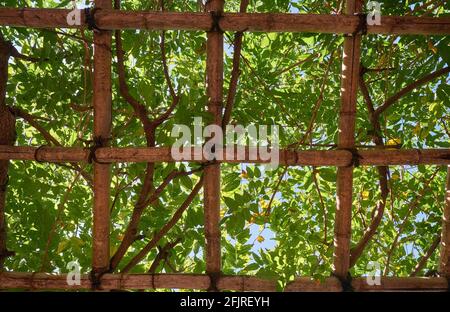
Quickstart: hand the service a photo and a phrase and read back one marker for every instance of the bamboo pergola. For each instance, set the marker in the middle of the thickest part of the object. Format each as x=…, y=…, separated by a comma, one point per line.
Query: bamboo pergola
x=215, y=23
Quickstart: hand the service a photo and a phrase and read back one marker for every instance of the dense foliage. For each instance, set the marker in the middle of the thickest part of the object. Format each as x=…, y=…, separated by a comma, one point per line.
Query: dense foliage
x=275, y=223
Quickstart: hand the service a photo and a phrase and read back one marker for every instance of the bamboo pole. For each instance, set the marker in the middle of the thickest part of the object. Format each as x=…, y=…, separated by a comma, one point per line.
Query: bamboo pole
x=214, y=76
x=7, y=137
x=317, y=158
x=346, y=140
x=46, y=281
x=445, y=238
x=360, y=284
x=252, y=22
x=102, y=133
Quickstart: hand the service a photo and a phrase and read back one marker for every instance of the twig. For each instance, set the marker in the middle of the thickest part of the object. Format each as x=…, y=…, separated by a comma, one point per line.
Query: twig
x=235, y=72
x=430, y=77
x=48, y=137
x=32, y=121
x=57, y=220
x=166, y=228
x=131, y=230
x=16, y=54
x=324, y=208
x=307, y=133
x=290, y=67
x=163, y=254
x=162, y=46
x=403, y=224
x=383, y=173
x=423, y=261
x=267, y=91
x=139, y=109
x=424, y=6
x=118, y=190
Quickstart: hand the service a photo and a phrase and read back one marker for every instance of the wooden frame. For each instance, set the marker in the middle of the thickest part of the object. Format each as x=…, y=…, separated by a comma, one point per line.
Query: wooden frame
x=343, y=157
x=102, y=132
x=346, y=140
x=45, y=281
x=252, y=22
x=317, y=158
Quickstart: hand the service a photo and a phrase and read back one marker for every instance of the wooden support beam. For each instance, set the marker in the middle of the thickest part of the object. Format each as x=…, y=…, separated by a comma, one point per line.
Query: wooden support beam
x=102, y=134
x=444, y=267
x=45, y=281
x=214, y=78
x=360, y=284
x=346, y=140
x=251, y=22
x=7, y=137
x=316, y=158
x=424, y=259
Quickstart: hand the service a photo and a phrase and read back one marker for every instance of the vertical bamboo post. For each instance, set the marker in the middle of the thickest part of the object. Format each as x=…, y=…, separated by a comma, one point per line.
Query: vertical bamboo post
x=7, y=137
x=214, y=69
x=346, y=140
x=102, y=132
x=445, y=239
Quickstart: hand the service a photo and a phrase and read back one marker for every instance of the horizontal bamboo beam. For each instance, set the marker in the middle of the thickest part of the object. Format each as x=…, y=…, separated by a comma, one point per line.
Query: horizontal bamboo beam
x=337, y=158
x=252, y=22
x=45, y=281
x=361, y=284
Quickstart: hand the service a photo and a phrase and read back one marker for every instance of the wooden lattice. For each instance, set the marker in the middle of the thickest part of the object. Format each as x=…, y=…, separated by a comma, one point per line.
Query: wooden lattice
x=108, y=19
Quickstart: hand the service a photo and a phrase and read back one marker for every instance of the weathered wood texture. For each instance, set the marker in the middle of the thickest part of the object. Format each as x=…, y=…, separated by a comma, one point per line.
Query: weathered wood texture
x=445, y=238
x=7, y=137
x=45, y=281
x=251, y=22
x=346, y=140
x=102, y=133
x=214, y=78
x=337, y=158
x=107, y=20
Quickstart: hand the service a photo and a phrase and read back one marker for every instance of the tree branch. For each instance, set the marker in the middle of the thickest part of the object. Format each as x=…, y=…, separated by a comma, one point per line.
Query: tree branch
x=7, y=137
x=378, y=140
x=307, y=133
x=149, y=129
x=235, y=72
x=132, y=228
x=423, y=261
x=175, y=97
x=16, y=54
x=162, y=46
x=163, y=254
x=30, y=119
x=139, y=109
x=166, y=228
x=55, y=224
x=402, y=226
x=430, y=77
x=324, y=208
x=383, y=173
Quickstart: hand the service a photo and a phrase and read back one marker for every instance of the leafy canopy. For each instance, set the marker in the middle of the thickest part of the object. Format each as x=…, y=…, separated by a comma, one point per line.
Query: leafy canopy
x=286, y=79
